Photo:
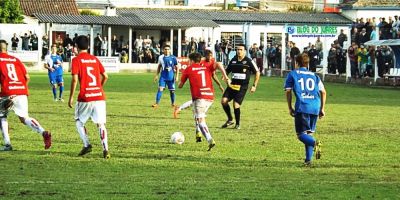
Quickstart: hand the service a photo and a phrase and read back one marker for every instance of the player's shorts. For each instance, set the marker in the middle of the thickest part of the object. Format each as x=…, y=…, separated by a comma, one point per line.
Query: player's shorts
x=96, y=110
x=20, y=107
x=55, y=79
x=200, y=107
x=236, y=95
x=305, y=123
x=162, y=83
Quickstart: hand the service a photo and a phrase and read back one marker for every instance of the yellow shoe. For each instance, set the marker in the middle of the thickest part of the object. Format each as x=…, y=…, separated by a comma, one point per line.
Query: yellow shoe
x=198, y=137
x=211, y=145
x=317, y=149
x=106, y=154
x=154, y=105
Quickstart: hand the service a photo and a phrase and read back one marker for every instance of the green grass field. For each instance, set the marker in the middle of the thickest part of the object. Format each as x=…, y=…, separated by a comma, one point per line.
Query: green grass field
x=263, y=160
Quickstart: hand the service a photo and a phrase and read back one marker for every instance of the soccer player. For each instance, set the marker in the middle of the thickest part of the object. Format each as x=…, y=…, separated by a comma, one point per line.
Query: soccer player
x=310, y=103
x=202, y=91
x=207, y=61
x=91, y=75
x=55, y=71
x=168, y=67
x=14, y=85
x=240, y=66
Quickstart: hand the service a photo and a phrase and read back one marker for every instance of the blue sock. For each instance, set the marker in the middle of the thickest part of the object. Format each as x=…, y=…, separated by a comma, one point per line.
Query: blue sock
x=172, y=95
x=158, y=96
x=61, y=91
x=54, y=92
x=309, y=143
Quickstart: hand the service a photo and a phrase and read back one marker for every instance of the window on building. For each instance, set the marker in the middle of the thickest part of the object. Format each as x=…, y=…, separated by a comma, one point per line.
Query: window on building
x=234, y=38
x=175, y=2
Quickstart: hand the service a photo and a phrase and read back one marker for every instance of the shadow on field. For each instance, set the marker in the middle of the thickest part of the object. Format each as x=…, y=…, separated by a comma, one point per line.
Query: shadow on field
x=138, y=116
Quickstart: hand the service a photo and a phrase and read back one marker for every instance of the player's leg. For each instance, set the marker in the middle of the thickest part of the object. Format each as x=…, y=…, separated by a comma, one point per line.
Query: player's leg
x=318, y=143
x=21, y=110
x=99, y=117
x=60, y=82
x=82, y=114
x=177, y=109
x=302, y=127
x=237, y=101
x=161, y=86
x=171, y=88
x=53, y=84
x=201, y=106
x=196, y=123
x=226, y=97
x=6, y=136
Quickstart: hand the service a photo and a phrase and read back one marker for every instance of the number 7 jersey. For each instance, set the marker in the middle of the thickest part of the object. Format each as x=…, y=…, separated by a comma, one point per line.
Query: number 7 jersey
x=88, y=68
x=12, y=76
x=306, y=86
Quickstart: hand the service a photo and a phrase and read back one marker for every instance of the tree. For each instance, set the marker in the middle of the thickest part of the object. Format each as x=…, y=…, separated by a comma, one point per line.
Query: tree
x=89, y=12
x=10, y=11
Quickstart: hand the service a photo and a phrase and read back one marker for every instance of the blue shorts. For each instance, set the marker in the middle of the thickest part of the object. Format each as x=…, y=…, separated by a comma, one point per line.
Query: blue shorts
x=305, y=123
x=56, y=79
x=163, y=83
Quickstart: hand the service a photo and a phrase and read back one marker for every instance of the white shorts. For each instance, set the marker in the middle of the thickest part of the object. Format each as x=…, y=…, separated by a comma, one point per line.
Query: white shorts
x=20, y=107
x=200, y=107
x=96, y=110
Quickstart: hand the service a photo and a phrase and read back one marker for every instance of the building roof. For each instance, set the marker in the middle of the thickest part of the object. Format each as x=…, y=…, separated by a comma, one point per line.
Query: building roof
x=235, y=16
x=61, y=7
x=134, y=21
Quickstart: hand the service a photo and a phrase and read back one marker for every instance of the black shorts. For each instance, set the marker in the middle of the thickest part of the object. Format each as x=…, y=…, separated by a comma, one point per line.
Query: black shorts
x=236, y=95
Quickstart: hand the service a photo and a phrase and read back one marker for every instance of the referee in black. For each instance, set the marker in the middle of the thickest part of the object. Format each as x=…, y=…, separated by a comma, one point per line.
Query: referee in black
x=241, y=68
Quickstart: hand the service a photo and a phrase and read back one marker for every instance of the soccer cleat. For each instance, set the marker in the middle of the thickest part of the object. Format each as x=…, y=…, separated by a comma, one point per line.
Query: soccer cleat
x=227, y=123
x=317, y=149
x=176, y=111
x=7, y=147
x=47, y=139
x=55, y=99
x=85, y=150
x=154, y=105
x=307, y=163
x=211, y=145
x=198, y=137
x=106, y=154
x=60, y=99
x=237, y=126
x=173, y=105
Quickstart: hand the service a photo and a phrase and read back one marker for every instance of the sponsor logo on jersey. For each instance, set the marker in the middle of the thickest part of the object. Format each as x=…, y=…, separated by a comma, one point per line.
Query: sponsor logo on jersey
x=88, y=61
x=8, y=59
x=233, y=62
x=244, y=62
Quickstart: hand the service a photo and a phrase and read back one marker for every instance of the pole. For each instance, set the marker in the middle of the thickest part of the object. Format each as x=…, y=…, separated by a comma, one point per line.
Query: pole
x=109, y=50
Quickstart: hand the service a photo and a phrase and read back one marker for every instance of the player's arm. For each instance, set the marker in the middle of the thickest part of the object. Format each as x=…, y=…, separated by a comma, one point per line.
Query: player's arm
x=176, y=73
x=184, y=77
x=256, y=77
x=104, y=78
x=289, y=101
x=47, y=65
x=74, y=82
x=27, y=78
x=322, y=92
x=157, y=72
x=215, y=78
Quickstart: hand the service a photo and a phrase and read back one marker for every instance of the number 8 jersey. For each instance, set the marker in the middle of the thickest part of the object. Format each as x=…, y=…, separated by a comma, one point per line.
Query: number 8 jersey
x=88, y=68
x=306, y=86
x=12, y=76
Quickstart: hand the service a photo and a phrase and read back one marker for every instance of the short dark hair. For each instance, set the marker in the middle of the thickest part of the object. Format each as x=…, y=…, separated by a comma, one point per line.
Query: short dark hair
x=206, y=52
x=166, y=46
x=4, y=42
x=196, y=57
x=82, y=42
x=241, y=45
x=303, y=60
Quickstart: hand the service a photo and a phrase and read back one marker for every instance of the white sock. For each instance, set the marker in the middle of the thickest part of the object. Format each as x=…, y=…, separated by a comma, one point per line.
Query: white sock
x=34, y=125
x=80, y=127
x=103, y=136
x=4, y=130
x=185, y=105
x=204, y=129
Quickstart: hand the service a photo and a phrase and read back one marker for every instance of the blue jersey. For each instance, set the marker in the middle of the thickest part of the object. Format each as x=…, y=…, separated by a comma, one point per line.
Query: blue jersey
x=168, y=64
x=306, y=86
x=52, y=61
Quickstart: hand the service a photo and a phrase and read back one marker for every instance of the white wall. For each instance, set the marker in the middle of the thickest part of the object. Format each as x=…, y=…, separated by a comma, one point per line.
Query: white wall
x=7, y=31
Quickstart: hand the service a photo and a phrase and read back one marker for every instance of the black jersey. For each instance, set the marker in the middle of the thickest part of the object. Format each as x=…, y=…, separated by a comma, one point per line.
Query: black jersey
x=241, y=70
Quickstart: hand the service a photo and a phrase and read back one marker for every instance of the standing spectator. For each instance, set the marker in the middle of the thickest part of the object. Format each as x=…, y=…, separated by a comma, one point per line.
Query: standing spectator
x=352, y=52
x=355, y=36
x=14, y=42
x=387, y=58
x=271, y=55
x=114, y=45
x=341, y=59
x=373, y=35
x=192, y=48
x=363, y=58
x=384, y=29
x=67, y=40
x=104, y=47
x=278, y=57
x=342, y=37
x=120, y=43
x=59, y=41
x=332, y=60
x=184, y=47
x=363, y=37
x=138, y=44
x=45, y=47
x=294, y=52
x=201, y=46
x=259, y=59
x=34, y=42
x=25, y=41
x=97, y=45
x=371, y=62
x=74, y=39
x=313, y=55
x=218, y=51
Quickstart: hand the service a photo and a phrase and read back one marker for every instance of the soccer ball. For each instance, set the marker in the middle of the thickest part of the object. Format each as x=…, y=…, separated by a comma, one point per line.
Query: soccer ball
x=177, y=138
